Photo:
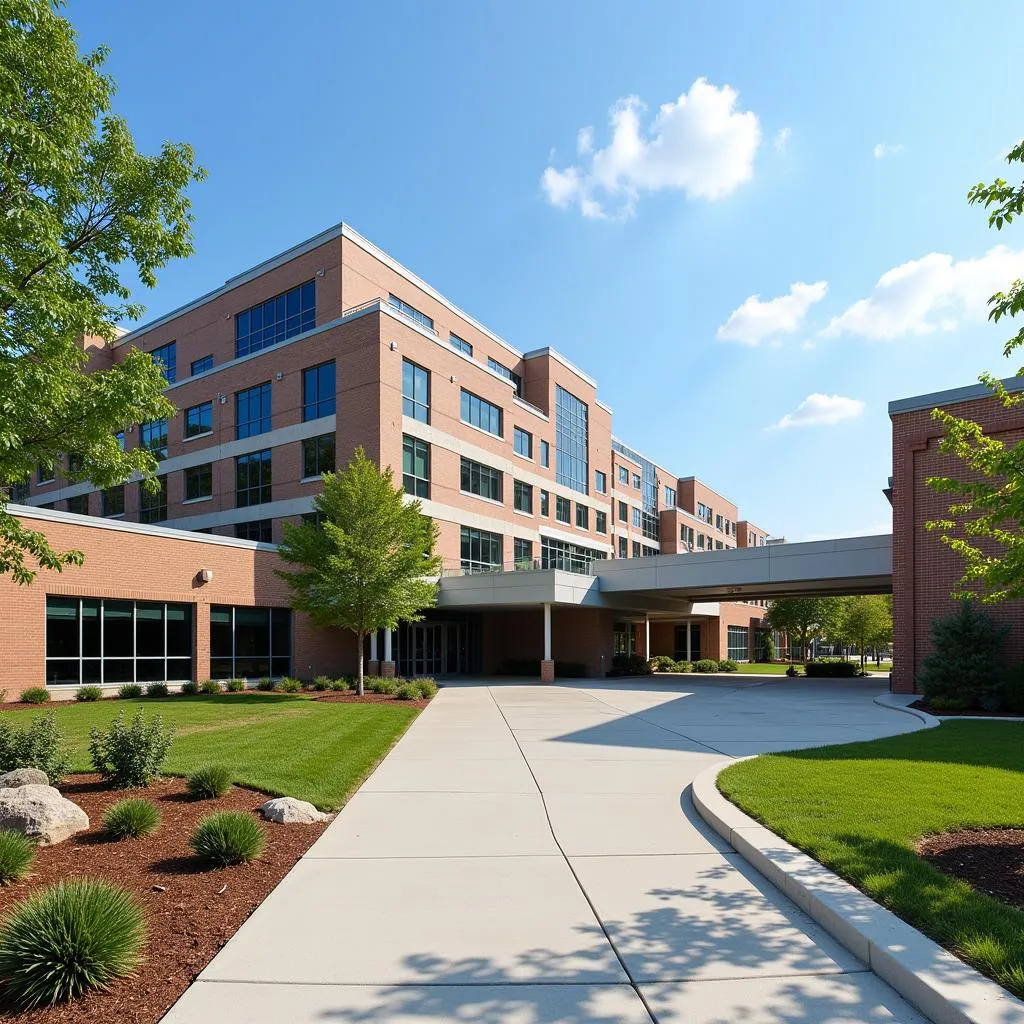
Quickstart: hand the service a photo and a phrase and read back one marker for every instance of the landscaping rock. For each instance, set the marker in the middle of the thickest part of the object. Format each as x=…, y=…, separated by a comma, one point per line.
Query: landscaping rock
x=286, y=810
x=23, y=777
x=40, y=812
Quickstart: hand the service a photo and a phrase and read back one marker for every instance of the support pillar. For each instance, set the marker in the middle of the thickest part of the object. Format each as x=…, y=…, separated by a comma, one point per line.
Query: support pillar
x=547, y=665
x=387, y=666
x=689, y=649
x=647, y=637
x=373, y=665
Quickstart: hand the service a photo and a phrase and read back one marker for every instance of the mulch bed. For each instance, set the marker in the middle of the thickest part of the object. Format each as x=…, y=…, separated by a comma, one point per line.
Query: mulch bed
x=338, y=698
x=991, y=860
x=189, y=920
x=922, y=705
x=369, y=698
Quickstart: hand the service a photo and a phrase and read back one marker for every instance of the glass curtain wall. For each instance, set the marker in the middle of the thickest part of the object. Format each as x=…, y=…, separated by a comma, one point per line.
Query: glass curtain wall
x=250, y=643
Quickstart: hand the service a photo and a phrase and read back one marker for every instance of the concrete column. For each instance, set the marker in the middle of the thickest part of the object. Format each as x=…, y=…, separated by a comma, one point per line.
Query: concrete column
x=647, y=637
x=688, y=648
x=373, y=646
x=373, y=665
x=547, y=665
x=387, y=666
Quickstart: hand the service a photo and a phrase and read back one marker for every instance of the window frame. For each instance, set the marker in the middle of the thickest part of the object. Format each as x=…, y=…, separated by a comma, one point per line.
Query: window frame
x=522, y=496
x=196, y=473
x=319, y=445
x=471, y=404
x=320, y=406
x=412, y=406
x=265, y=419
x=260, y=459
x=491, y=481
x=200, y=409
x=420, y=484
x=294, y=324
x=520, y=446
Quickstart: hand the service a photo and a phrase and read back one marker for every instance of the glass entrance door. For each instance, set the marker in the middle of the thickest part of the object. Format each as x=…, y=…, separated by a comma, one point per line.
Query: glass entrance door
x=438, y=648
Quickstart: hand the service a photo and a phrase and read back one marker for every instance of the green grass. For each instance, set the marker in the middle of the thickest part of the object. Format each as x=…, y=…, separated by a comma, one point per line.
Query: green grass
x=763, y=669
x=861, y=807
x=283, y=745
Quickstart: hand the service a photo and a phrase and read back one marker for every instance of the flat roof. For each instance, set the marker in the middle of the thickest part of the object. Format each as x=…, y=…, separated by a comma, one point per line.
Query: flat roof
x=965, y=394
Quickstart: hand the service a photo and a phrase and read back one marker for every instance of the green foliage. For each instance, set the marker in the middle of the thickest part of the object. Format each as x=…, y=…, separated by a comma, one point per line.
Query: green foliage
x=728, y=665
x=339, y=685
x=831, y=668
x=41, y=745
x=1012, y=690
x=865, y=621
x=369, y=563
x=627, y=665
x=322, y=684
x=768, y=652
x=407, y=691
x=966, y=658
x=130, y=755
x=190, y=688
x=210, y=687
x=387, y=687
x=804, y=618
x=705, y=665
x=427, y=688
x=84, y=213
x=683, y=666
x=129, y=691
x=288, y=685
x=68, y=939
x=157, y=690
x=17, y=852
x=235, y=685
x=35, y=695
x=265, y=685
x=131, y=819
x=663, y=663
x=210, y=782
x=229, y=837
x=88, y=693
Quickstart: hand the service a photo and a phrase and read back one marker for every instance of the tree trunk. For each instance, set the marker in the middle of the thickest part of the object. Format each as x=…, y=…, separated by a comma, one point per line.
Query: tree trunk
x=360, y=636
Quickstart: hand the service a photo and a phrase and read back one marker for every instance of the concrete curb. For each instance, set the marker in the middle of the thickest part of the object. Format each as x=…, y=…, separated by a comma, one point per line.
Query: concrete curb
x=894, y=702
x=942, y=987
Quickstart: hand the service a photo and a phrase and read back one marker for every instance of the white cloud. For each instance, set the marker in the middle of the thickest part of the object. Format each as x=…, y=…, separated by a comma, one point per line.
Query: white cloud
x=781, y=139
x=755, y=320
x=820, y=411
x=883, y=149
x=934, y=293
x=701, y=145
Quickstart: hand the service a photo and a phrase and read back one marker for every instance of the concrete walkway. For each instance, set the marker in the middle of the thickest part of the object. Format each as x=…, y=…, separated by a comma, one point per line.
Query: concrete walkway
x=530, y=855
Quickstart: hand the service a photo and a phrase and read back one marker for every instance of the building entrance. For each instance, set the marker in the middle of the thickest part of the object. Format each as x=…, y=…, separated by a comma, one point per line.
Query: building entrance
x=438, y=648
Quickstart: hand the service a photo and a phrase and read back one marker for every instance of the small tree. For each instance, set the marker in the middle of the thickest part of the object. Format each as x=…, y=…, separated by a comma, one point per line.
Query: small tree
x=803, y=618
x=367, y=565
x=865, y=620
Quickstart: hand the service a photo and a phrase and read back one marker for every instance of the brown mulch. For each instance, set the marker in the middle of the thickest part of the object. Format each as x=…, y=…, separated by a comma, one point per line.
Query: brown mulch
x=189, y=920
x=991, y=860
x=922, y=705
x=369, y=698
x=330, y=697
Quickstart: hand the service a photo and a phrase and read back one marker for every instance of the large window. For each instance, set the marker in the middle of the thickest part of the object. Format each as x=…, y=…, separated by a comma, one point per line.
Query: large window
x=79, y=504
x=601, y=521
x=153, y=435
x=92, y=640
x=199, y=482
x=113, y=500
x=600, y=482
x=523, y=553
x=256, y=529
x=523, y=497
x=416, y=466
x=571, y=467
x=508, y=374
x=737, y=640
x=252, y=479
x=250, y=643
x=204, y=365
x=481, y=551
x=199, y=420
x=545, y=454
x=670, y=497
x=318, y=455
x=411, y=311
x=415, y=392
x=167, y=359
x=563, y=509
x=481, y=480
x=558, y=554
x=460, y=344
x=275, y=320
x=582, y=516
x=480, y=413
x=318, y=391
x=545, y=503
x=153, y=504
x=252, y=411
x=523, y=442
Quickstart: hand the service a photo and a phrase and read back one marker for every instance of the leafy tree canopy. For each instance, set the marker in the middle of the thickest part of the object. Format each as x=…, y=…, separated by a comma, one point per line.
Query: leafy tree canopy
x=803, y=618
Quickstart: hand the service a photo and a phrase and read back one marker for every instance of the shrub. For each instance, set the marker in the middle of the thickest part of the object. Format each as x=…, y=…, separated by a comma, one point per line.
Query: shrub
x=288, y=685
x=1013, y=690
x=965, y=661
x=939, y=703
x=157, y=690
x=210, y=687
x=792, y=671
x=728, y=665
x=40, y=745
x=628, y=665
x=407, y=691
x=683, y=666
x=831, y=668
x=190, y=688
x=663, y=663
x=235, y=685
x=767, y=648
x=230, y=837
x=67, y=939
x=340, y=685
x=321, y=683
x=16, y=855
x=427, y=688
x=383, y=686
x=129, y=691
x=130, y=755
x=266, y=684
x=35, y=695
x=131, y=819
x=705, y=665
x=210, y=782
x=86, y=694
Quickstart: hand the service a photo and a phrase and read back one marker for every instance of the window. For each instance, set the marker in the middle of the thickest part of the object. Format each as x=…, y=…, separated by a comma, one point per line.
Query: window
x=252, y=479
x=250, y=643
x=79, y=504
x=313, y=518
x=415, y=392
x=670, y=497
x=480, y=550
x=523, y=553
x=523, y=442
x=411, y=311
x=636, y=549
x=601, y=521
x=636, y=517
x=560, y=554
x=480, y=413
x=318, y=391
x=113, y=501
x=199, y=420
x=415, y=466
x=686, y=535
x=571, y=440
x=623, y=475
x=623, y=512
x=257, y=529
x=719, y=545
x=153, y=504
x=252, y=411
x=203, y=365
x=582, y=516
x=545, y=454
x=737, y=642
x=275, y=320
x=563, y=509
x=522, y=496
x=460, y=344
x=650, y=525
x=19, y=493
x=166, y=358
x=623, y=548
x=45, y=474
x=636, y=481
x=545, y=503
x=480, y=480
x=93, y=641
x=718, y=522
x=703, y=512
x=153, y=435
x=700, y=541
x=505, y=372
x=199, y=482
x=75, y=464
x=119, y=436
x=600, y=482
x=647, y=552
x=318, y=455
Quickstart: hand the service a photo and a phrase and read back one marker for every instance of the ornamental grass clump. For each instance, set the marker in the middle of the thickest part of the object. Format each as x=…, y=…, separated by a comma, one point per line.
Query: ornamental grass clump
x=67, y=940
x=209, y=783
x=16, y=855
x=289, y=685
x=85, y=694
x=427, y=688
x=129, y=691
x=265, y=685
x=210, y=687
x=35, y=695
x=131, y=819
x=132, y=755
x=190, y=688
x=229, y=837
x=235, y=685
x=157, y=690
x=408, y=691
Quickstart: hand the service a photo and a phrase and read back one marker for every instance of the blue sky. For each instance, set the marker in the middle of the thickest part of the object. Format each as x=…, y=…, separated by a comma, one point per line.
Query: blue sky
x=454, y=135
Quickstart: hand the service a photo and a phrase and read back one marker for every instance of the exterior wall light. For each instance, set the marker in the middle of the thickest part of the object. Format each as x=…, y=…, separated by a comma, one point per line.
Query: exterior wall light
x=206, y=575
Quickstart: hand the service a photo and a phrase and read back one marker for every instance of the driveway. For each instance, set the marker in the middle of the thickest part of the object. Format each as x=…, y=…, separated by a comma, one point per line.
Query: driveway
x=529, y=854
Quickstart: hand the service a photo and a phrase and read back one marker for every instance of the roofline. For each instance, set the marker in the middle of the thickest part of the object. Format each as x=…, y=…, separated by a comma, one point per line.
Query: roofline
x=970, y=393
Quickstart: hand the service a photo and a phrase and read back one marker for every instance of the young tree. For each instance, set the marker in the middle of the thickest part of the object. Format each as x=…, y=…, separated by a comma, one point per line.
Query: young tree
x=367, y=566
x=986, y=524
x=803, y=618
x=865, y=620
x=80, y=209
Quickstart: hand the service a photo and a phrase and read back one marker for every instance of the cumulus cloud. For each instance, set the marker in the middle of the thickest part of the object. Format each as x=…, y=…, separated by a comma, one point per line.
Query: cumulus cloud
x=754, y=321
x=934, y=293
x=820, y=411
x=701, y=145
x=781, y=139
x=883, y=149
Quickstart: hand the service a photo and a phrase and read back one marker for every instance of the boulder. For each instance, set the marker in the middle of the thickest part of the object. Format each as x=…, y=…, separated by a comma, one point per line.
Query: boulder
x=286, y=810
x=40, y=812
x=23, y=777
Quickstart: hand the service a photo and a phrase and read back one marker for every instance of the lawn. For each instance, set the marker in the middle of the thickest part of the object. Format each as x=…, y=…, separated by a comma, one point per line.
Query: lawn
x=758, y=668
x=282, y=744
x=859, y=809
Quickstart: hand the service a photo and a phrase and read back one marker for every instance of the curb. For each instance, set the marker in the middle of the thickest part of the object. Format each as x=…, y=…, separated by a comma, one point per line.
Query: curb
x=892, y=702
x=929, y=977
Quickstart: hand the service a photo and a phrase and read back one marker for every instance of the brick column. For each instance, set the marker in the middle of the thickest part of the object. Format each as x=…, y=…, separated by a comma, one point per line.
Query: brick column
x=202, y=634
x=373, y=665
x=547, y=671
